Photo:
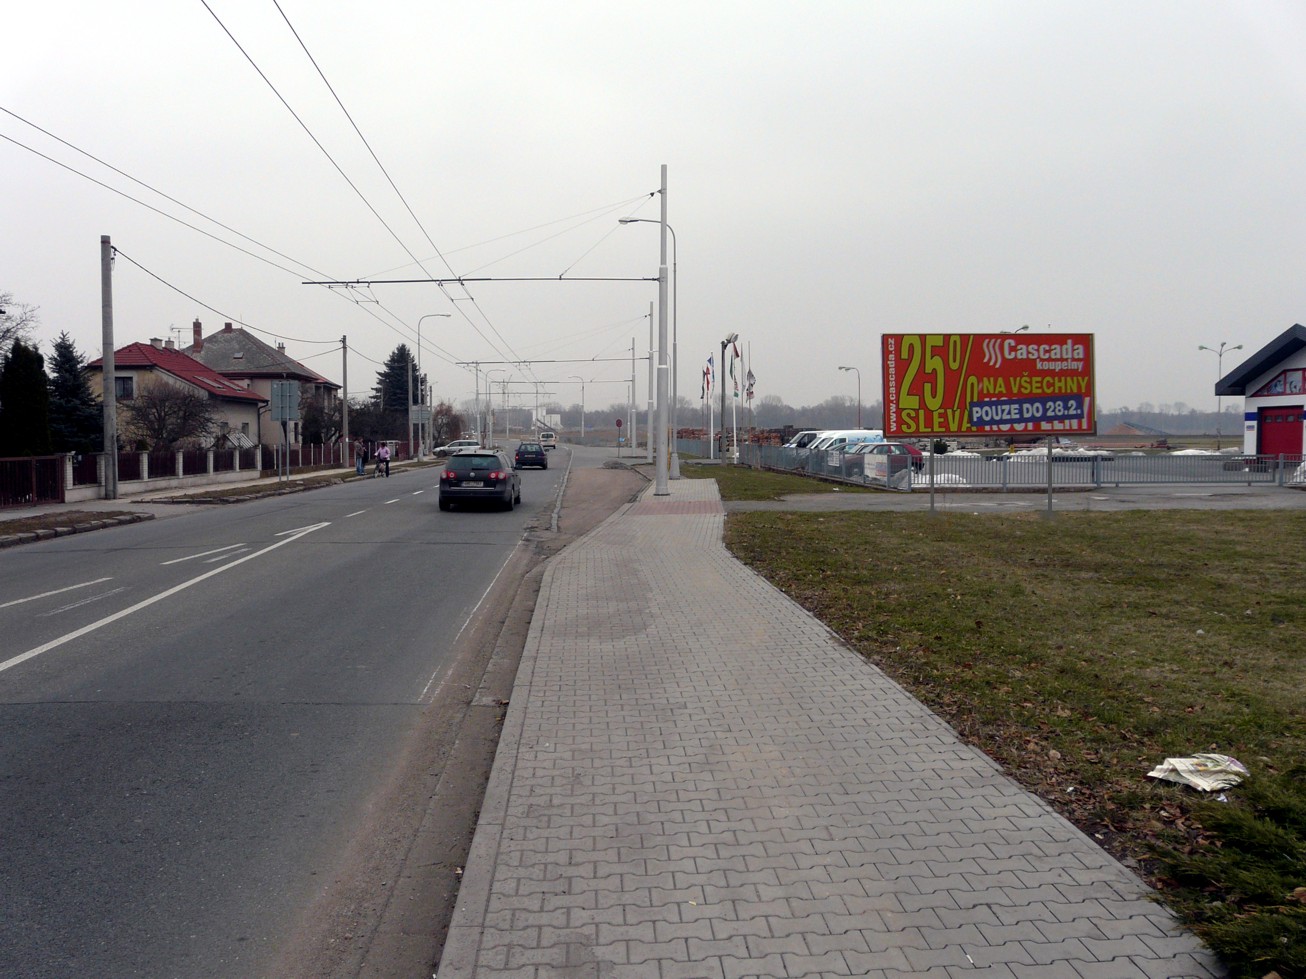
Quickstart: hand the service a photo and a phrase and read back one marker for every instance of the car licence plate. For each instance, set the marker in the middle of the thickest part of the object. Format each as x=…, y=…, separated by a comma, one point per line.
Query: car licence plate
x=473, y=482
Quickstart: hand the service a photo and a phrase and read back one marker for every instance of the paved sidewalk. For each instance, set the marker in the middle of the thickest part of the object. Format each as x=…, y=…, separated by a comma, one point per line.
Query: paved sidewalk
x=697, y=779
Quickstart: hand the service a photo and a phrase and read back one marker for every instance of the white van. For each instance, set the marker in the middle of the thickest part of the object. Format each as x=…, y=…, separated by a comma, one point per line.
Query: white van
x=802, y=440
x=838, y=441
x=549, y=440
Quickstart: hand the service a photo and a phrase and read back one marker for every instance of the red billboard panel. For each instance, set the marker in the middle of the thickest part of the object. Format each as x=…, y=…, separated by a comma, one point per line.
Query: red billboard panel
x=977, y=384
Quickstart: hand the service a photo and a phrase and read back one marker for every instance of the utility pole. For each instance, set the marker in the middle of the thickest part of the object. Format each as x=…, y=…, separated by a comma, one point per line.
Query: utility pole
x=634, y=435
x=344, y=395
x=110, y=394
x=661, y=470
x=648, y=433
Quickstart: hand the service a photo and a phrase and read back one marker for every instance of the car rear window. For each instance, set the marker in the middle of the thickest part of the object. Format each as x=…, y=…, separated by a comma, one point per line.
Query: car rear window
x=530, y=447
x=473, y=463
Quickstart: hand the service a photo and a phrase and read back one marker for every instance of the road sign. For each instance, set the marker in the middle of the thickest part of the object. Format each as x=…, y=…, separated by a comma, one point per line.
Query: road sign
x=285, y=401
x=618, y=422
x=988, y=383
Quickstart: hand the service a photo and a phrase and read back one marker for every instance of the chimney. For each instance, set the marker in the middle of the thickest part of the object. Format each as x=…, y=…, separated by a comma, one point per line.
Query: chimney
x=199, y=336
x=226, y=327
x=281, y=349
x=156, y=343
x=169, y=345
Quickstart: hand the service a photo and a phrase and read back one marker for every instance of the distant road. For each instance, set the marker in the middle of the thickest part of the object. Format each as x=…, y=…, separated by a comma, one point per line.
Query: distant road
x=196, y=712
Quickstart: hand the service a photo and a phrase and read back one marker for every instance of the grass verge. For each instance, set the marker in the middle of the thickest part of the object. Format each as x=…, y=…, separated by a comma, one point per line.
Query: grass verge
x=742, y=483
x=1080, y=652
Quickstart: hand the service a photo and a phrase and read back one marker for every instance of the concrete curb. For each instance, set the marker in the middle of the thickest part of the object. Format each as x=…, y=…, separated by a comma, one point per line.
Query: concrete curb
x=49, y=533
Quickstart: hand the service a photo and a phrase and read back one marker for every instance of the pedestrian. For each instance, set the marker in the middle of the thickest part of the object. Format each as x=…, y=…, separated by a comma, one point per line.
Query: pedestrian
x=360, y=456
x=383, y=458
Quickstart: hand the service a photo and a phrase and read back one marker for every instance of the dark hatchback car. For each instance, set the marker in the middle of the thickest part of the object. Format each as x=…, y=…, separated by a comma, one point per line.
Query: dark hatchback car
x=479, y=475
x=531, y=454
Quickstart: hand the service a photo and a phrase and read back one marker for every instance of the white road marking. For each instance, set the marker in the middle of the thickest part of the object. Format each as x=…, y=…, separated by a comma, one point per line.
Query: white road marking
x=57, y=591
x=223, y=557
x=84, y=601
x=418, y=492
x=354, y=514
x=168, y=593
x=216, y=550
x=422, y=699
x=388, y=502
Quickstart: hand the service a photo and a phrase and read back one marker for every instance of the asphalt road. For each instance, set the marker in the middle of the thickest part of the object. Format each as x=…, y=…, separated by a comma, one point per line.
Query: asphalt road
x=197, y=714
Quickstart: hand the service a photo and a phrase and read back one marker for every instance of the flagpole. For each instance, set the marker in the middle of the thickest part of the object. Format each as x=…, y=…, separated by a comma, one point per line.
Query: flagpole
x=711, y=421
x=734, y=405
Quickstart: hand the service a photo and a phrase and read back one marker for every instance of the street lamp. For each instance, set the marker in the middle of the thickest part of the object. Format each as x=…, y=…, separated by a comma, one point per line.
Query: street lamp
x=859, y=393
x=1019, y=329
x=1219, y=375
x=423, y=430
x=489, y=402
x=577, y=377
x=675, y=358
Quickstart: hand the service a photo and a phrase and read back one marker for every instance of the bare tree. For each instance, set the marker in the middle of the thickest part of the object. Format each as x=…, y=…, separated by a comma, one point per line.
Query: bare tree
x=164, y=415
x=17, y=322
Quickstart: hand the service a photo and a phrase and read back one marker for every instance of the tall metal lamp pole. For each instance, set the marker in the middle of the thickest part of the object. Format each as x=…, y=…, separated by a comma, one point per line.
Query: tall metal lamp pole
x=1219, y=375
x=859, y=393
x=423, y=430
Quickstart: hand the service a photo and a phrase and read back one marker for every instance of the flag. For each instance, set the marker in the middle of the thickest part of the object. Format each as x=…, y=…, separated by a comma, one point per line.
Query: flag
x=751, y=380
x=707, y=378
x=734, y=355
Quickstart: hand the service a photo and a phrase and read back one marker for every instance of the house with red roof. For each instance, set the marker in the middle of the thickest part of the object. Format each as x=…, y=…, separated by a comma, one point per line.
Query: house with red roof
x=138, y=366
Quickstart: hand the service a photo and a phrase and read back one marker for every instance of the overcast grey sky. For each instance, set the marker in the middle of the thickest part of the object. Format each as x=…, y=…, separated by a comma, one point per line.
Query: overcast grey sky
x=837, y=170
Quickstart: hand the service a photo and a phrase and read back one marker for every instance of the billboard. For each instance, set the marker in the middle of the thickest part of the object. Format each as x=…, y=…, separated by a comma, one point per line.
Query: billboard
x=983, y=384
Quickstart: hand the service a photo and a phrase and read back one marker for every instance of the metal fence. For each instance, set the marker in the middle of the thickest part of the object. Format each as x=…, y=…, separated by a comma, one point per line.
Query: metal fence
x=31, y=481
x=1028, y=471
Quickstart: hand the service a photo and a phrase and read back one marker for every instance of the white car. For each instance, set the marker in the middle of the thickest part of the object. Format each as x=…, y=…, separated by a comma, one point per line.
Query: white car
x=457, y=445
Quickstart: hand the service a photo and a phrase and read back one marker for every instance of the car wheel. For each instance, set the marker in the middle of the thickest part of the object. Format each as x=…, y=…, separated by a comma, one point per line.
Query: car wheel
x=507, y=500
x=517, y=498
x=444, y=504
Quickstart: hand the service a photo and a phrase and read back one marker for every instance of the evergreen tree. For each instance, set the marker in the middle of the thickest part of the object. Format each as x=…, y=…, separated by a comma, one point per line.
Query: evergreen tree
x=391, y=391
x=76, y=416
x=24, y=403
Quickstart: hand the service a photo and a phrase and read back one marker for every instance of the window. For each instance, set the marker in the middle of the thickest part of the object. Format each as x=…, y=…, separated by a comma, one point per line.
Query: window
x=124, y=388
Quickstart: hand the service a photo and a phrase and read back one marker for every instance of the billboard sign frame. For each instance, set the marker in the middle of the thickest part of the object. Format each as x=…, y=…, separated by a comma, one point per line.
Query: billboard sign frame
x=977, y=385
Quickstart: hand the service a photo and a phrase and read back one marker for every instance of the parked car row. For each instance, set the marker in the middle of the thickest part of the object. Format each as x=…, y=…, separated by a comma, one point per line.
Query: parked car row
x=859, y=442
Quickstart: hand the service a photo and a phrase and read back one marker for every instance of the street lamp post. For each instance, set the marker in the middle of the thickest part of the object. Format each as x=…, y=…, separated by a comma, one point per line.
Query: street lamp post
x=859, y=393
x=675, y=355
x=489, y=402
x=1219, y=375
x=577, y=377
x=423, y=430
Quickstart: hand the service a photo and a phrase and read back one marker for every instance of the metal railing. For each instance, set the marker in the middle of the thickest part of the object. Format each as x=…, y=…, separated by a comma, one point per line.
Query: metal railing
x=31, y=481
x=1028, y=471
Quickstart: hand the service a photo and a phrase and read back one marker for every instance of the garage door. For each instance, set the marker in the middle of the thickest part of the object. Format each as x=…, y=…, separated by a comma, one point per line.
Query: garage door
x=1280, y=430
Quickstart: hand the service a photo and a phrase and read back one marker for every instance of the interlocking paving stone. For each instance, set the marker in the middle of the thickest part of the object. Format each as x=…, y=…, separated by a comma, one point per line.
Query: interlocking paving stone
x=697, y=778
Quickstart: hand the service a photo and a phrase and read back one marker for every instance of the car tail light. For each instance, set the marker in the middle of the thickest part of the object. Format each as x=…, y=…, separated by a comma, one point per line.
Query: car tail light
x=447, y=474
x=496, y=475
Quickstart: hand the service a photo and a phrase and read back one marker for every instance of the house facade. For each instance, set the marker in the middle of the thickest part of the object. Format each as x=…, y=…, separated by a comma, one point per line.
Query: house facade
x=239, y=356
x=140, y=365
x=1272, y=383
